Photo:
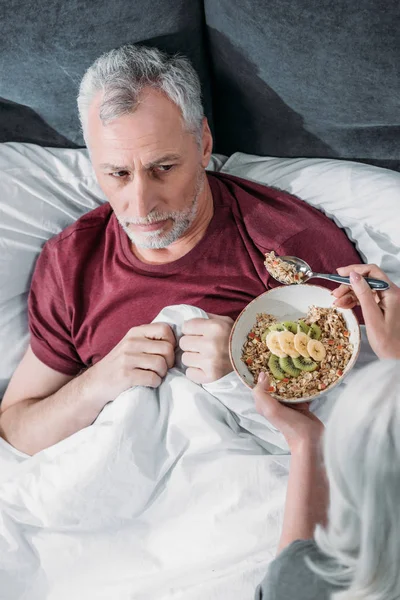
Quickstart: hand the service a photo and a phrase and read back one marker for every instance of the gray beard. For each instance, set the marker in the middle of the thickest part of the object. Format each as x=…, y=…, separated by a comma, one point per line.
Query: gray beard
x=181, y=221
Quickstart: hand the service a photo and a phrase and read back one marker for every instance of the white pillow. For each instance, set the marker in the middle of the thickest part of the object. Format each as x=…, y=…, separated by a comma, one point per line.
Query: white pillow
x=362, y=199
x=42, y=190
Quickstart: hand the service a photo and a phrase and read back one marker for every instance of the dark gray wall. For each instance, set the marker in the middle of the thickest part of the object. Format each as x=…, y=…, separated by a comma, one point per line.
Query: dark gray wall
x=317, y=78
x=45, y=47
x=306, y=77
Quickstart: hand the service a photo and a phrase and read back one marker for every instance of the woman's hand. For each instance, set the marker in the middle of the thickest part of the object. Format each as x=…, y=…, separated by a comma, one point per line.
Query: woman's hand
x=296, y=422
x=381, y=310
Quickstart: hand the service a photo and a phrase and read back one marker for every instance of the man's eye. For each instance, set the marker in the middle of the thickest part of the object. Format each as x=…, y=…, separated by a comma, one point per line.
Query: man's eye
x=164, y=168
x=119, y=174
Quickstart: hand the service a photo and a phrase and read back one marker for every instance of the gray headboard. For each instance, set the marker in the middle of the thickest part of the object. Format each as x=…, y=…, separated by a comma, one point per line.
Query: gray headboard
x=311, y=78
x=45, y=48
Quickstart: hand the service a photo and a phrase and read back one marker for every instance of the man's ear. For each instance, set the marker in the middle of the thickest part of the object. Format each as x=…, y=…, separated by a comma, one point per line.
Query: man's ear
x=207, y=143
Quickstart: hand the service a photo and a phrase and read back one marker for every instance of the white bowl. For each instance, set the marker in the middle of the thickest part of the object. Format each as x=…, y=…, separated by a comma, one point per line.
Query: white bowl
x=288, y=303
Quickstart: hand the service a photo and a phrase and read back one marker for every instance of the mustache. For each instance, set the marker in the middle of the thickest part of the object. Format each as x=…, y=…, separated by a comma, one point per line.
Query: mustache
x=149, y=220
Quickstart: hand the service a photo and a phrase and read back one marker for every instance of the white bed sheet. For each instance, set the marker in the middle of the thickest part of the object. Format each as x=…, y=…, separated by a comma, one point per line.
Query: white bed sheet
x=170, y=494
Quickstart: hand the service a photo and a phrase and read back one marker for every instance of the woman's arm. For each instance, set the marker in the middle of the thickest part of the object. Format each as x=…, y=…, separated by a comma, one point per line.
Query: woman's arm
x=307, y=494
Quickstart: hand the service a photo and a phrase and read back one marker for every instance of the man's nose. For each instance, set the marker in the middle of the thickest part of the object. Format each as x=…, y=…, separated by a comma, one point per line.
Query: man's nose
x=141, y=196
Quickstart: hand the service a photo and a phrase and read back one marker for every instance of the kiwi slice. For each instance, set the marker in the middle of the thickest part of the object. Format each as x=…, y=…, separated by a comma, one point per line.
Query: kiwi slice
x=273, y=327
x=290, y=326
x=314, y=332
x=277, y=327
x=275, y=368
x=287, y=365
x=304, y=328
x=304, y=364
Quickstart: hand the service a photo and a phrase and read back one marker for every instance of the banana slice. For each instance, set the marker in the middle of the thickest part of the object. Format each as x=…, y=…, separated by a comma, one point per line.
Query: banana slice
x=286, y=341
x=272, y=341
x=300, y=343
x=316, y=350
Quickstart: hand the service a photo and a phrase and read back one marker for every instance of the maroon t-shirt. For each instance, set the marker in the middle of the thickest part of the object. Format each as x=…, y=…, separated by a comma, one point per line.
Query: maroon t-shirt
x=89, y=289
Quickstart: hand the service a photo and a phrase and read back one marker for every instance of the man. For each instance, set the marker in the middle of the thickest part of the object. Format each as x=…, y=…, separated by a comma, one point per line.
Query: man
x=170, y=234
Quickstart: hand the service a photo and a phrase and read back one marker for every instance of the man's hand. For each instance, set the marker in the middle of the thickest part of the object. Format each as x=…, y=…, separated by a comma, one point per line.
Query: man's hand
x=205, y=348
x=62, y=405
x=142, y=357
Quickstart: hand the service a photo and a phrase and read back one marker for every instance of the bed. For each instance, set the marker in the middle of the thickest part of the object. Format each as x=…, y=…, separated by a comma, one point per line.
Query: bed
x=303, y=96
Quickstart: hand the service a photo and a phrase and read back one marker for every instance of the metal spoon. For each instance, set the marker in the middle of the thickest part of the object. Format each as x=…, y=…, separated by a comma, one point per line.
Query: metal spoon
x=305, y=269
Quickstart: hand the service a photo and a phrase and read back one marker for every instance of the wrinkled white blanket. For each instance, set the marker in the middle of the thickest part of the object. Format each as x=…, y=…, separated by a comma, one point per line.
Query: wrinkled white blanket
x=172, y=493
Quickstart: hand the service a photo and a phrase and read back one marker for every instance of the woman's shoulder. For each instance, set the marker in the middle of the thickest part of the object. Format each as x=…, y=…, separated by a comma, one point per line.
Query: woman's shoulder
x=294, y=556
x=289, y=576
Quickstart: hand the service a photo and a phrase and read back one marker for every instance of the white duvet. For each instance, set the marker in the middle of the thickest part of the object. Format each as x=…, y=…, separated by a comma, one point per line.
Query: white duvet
x=172, y=493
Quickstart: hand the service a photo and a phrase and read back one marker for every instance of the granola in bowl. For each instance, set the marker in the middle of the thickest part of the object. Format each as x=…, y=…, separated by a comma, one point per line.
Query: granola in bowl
x=302, y=357
x=281, y=270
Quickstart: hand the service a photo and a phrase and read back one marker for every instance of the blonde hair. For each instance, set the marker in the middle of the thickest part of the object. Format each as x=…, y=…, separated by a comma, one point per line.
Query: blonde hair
x=362, y=457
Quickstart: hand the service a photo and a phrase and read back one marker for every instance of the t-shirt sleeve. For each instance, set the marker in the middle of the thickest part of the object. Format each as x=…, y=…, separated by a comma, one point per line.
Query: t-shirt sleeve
x=289, y=576
x=49, y=321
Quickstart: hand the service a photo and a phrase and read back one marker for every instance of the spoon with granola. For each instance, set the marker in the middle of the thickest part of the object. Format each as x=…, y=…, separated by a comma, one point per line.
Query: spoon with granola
x=290, y=270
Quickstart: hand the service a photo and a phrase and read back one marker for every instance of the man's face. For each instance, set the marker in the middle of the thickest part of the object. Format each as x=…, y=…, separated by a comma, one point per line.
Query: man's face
x=150, y=169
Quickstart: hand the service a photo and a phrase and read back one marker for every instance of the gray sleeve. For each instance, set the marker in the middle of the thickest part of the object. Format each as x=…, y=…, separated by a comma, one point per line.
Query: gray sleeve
x=288, y=576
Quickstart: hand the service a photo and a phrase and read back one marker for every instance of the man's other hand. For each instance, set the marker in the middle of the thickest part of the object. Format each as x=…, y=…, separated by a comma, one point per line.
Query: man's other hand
x=205, y=348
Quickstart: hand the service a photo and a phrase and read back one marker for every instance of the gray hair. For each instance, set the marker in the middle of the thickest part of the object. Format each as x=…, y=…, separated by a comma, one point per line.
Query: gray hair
x=122, y=74
x=362, y=456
